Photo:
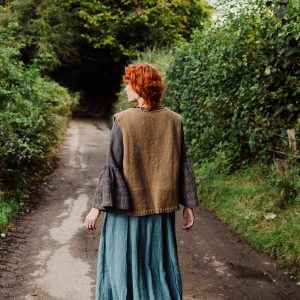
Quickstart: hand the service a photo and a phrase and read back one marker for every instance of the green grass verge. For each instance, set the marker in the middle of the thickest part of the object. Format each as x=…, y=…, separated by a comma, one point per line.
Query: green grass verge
x=243, y=200
x=8, y=209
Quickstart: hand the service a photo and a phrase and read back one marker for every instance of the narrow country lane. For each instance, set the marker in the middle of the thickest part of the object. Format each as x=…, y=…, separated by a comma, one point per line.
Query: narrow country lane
x=49, y=255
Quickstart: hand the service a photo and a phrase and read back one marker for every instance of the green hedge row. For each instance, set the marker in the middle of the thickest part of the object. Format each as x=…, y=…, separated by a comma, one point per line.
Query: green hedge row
x=33, y=114
x=237, y=84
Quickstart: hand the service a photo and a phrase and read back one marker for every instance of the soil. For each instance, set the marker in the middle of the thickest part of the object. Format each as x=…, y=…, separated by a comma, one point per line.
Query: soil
x=48, y=254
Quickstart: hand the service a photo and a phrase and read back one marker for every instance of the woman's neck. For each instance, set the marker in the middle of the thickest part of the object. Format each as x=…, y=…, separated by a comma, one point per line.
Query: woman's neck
x=141, y=104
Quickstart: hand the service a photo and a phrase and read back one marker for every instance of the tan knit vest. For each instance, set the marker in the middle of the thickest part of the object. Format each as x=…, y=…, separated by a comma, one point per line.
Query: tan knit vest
x=152, y=150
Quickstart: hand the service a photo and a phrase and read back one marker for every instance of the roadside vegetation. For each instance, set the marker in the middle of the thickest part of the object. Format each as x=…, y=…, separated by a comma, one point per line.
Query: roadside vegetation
x=34, y=112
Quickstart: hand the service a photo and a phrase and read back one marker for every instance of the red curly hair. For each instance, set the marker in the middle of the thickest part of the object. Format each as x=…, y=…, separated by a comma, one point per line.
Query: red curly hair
x=145, y=80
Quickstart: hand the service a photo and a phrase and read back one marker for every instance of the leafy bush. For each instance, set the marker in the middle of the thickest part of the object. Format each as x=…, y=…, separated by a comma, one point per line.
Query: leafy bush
x=130, y=26
x=33, y=113
x=46, y=26
x=286, y=179
x=237, y=83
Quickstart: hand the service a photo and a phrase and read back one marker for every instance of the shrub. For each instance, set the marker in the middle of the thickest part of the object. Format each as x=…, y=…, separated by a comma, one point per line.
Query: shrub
x=33, y=113
x=237, y=83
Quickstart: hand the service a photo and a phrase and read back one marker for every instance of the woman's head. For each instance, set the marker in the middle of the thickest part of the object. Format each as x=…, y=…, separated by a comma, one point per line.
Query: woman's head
x=145, y=80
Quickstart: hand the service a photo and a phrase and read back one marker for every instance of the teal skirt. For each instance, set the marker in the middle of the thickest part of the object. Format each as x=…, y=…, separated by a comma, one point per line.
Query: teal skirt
x=137, y=258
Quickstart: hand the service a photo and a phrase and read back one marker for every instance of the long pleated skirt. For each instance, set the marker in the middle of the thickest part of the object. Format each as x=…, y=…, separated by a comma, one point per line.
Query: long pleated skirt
x=138, y=259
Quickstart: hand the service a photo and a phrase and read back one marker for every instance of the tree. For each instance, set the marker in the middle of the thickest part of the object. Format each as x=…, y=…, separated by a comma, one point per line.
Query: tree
x=126, y=26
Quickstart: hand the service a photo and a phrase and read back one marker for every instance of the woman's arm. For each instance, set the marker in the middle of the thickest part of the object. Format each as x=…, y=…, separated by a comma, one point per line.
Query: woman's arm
x=187, y=181
x=187, y=187
x=111, y=191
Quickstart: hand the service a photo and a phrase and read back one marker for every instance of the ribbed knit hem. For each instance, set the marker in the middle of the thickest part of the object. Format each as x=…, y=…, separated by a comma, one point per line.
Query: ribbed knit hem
x=149, y=211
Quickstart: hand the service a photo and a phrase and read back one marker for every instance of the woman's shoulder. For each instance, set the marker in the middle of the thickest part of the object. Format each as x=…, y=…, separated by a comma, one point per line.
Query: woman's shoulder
x=131, y=111
x=174, y=112
x=123, y=112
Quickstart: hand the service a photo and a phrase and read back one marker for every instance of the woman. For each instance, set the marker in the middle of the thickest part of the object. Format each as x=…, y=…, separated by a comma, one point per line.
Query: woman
x=146, y=176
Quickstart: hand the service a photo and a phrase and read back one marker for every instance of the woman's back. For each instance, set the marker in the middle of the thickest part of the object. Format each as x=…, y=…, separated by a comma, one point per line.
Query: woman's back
x=151, y=163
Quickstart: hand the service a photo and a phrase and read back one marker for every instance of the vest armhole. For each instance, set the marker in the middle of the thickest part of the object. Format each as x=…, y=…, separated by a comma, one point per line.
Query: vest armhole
x=181, y=121
x=114, y=117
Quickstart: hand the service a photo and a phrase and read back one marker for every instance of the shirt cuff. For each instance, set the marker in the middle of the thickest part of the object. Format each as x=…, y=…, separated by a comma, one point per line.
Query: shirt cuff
x=111, y=191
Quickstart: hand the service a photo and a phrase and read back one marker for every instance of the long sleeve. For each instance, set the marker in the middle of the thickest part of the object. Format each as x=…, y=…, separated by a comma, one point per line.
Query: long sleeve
x=111, y=192
x=187, y=182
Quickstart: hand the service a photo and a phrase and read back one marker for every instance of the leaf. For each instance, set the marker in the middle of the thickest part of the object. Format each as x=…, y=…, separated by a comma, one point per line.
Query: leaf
x=270, y=216
x=267, y=70
x=293, y=51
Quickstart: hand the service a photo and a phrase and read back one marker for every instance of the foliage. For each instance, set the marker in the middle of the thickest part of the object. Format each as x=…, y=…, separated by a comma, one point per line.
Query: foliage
x=33, y=113
x=46, y=27
x=127, y=26
x=87, y=43
x=237, y=85
x=285, y=177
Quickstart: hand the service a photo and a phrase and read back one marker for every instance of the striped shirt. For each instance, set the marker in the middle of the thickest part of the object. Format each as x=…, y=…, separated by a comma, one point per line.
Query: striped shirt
x=112, y=193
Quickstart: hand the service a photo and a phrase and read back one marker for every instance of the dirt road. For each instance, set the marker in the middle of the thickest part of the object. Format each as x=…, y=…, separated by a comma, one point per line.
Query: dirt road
x=49, y=255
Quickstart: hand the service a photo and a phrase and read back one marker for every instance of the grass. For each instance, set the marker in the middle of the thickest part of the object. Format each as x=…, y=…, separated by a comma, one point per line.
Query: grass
x=243, y=200
x=7, y=210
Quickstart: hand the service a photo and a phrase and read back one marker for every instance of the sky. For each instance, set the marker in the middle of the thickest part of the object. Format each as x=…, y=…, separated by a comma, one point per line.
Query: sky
x=212, y=1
